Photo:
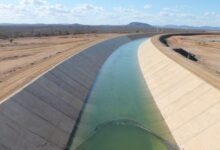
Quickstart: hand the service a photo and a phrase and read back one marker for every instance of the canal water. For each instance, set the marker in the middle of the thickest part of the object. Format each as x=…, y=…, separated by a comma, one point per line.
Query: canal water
x=120, y=113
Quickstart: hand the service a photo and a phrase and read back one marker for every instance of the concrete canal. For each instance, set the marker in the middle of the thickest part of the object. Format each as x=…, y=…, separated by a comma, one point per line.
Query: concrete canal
x=120, y=113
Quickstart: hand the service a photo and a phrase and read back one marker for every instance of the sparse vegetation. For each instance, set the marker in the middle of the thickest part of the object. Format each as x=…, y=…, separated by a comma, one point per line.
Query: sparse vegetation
x=35, y=30
x=11, y=40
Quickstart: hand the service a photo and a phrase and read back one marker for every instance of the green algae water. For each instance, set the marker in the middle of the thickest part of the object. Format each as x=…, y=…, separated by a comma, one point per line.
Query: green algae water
x=120, y=113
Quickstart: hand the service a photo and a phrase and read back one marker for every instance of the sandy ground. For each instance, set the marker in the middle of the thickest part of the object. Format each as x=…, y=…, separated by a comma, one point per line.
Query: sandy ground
x=26, y=58
x=205, y=47
x=189, y=105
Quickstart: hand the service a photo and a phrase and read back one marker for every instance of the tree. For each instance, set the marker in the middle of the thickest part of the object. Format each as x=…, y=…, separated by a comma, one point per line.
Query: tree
x=11, y=40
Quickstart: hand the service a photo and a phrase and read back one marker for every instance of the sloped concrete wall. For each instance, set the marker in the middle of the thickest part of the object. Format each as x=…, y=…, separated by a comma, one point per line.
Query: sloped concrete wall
x=189, y=105
x=43, y=114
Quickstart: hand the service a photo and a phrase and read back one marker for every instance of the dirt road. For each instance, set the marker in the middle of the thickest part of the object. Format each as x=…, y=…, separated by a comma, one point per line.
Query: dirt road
x=205, y=47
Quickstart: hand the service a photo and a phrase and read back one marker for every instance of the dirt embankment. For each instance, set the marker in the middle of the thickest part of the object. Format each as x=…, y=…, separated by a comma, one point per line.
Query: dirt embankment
x=26, y=58
x=205, y=47
x=198, y=53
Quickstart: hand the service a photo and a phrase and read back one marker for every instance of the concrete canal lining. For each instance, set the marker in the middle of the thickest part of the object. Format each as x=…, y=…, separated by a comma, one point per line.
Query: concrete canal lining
x=119, y=107
x=189, y=104
x=42, y=115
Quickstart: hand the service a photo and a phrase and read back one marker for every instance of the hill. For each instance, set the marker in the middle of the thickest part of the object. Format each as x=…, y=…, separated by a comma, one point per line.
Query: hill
x=192, y=27
x=139, y=25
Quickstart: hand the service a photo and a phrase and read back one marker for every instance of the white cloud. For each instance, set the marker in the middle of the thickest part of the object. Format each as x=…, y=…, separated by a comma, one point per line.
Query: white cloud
x=125, y=10
x=33, y=2
x=87, y=8
x=212, y=15
x=126, y=15
x=36, y=11
x=42, y=11
x=147, y=6
x=167, y=12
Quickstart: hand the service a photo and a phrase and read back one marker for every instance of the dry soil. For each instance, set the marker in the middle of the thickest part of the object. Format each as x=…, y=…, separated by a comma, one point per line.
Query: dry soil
x=25, y=58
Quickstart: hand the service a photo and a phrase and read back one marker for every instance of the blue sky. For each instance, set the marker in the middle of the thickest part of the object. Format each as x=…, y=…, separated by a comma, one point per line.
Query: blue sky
x=156, y=12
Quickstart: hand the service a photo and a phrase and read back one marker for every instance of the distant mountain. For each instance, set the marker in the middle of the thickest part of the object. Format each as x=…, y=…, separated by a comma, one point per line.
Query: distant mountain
x=210, y=28
x=131, y=25
x=191, y=27
x=77, y=24
x=24, y=30
x=8, y=30
x=139, y=25
x=177, y=26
